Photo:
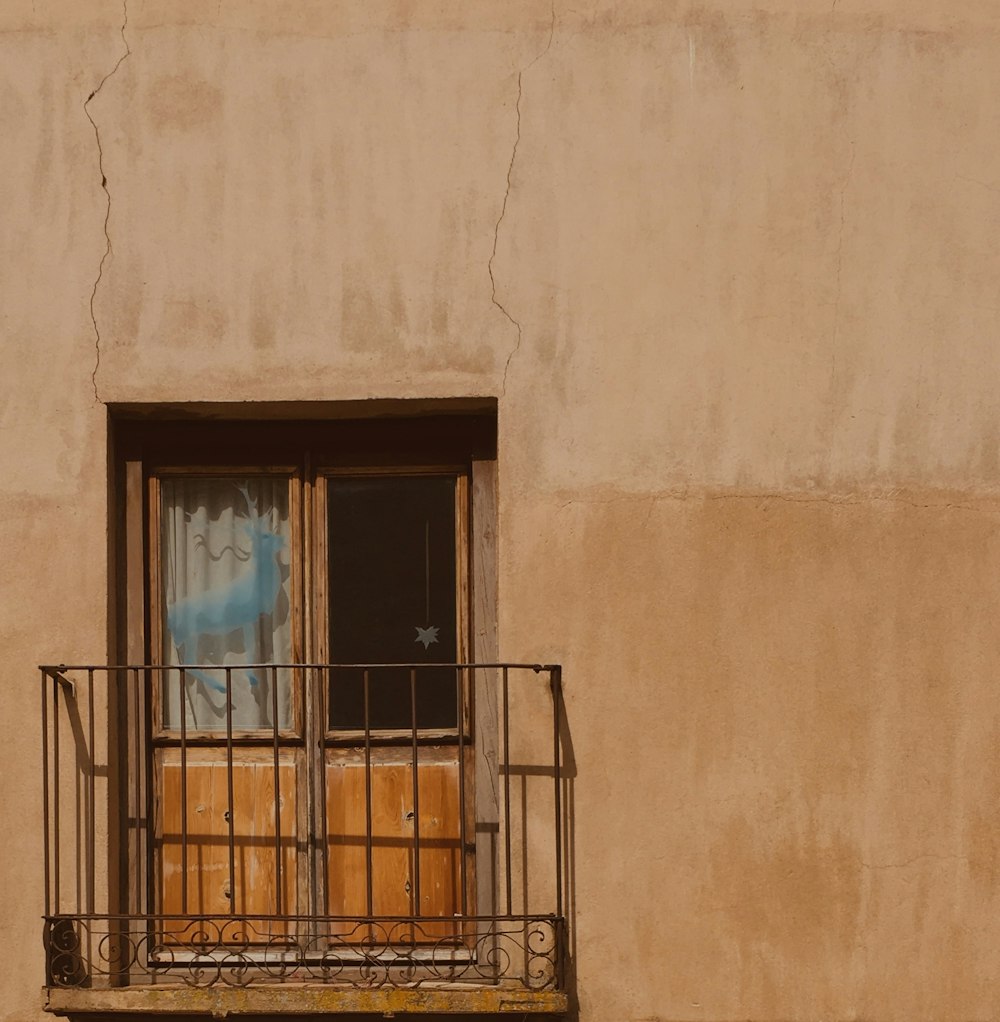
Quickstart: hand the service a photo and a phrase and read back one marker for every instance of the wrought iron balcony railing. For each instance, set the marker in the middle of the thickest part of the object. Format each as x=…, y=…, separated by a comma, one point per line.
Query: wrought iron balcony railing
x=396, y=825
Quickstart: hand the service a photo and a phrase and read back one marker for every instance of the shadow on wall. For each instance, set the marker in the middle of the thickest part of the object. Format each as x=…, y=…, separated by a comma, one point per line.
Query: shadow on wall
x=535, y=784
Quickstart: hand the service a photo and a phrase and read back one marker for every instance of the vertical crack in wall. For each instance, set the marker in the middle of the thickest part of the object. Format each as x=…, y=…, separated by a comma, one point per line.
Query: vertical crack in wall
x=506, y=196
x=496, y=236
x=107, y=211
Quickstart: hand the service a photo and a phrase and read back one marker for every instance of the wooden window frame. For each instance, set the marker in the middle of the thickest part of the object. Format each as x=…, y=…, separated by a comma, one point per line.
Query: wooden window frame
x=463, y=623
x=169, y=736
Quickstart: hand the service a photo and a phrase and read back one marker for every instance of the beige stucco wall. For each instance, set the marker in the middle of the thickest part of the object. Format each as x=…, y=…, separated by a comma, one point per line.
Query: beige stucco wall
x=730, y=268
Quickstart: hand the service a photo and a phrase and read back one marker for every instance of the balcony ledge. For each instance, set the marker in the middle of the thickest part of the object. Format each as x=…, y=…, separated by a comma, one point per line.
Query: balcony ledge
x=304, y=999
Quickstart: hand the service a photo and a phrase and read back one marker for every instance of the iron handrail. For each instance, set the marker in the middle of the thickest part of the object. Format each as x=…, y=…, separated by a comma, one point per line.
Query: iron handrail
x=56, y=668
x=138, y=837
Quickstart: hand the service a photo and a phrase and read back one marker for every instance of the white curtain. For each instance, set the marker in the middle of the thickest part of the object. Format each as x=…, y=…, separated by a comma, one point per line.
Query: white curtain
x=225, y=548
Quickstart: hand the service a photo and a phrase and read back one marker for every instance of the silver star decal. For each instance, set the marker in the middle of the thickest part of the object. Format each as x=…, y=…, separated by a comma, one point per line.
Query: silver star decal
x=427, y=635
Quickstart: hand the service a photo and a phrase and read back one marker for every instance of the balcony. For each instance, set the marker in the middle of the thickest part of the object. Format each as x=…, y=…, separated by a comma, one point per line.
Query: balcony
x=391, y=838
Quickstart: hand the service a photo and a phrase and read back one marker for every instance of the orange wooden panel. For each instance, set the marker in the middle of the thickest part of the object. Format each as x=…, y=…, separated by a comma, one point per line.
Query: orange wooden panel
x=393, y=846
x=207, y=876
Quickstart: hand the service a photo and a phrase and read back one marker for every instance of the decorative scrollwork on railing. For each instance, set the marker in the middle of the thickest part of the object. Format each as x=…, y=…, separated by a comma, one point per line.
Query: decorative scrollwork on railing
x=239, y=951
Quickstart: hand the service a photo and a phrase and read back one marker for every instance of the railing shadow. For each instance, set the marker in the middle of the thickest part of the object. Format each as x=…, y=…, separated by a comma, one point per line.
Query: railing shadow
x=567, y=774
x=85, y=773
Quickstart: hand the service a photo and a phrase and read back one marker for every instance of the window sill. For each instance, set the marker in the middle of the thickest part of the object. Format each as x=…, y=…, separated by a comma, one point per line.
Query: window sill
x=305, y=999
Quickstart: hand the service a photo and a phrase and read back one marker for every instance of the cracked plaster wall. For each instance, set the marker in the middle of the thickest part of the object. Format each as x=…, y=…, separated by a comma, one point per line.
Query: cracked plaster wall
x=731, y=268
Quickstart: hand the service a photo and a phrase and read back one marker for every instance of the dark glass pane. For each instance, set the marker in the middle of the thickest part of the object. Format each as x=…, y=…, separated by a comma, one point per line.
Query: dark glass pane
x=392, y=598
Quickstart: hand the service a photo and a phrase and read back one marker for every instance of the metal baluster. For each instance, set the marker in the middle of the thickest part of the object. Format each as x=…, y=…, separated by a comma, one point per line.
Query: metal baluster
x=147, y=767
x=277, y=792
x=555, y=676
x=137, y=796
x=324, y=716
x=184, y=799
x=91, y=835
x=45, y=792
x=56, y=786
x=461, y=788
x=229, y=783
x=506, y=792
x=368, y=798
x=416, y=793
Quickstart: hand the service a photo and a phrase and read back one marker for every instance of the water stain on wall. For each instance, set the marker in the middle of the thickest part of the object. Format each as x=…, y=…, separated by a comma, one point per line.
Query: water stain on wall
x=178, y=103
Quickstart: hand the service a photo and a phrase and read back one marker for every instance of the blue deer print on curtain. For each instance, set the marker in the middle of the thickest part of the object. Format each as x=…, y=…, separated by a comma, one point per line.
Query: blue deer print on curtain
x=226, y=599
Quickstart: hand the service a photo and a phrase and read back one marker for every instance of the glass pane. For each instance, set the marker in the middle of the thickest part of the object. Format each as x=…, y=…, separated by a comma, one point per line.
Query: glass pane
x=226, y=598
x=392, y=598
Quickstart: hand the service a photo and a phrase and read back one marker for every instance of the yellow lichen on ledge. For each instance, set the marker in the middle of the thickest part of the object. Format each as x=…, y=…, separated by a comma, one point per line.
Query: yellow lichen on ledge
x=301, y=1000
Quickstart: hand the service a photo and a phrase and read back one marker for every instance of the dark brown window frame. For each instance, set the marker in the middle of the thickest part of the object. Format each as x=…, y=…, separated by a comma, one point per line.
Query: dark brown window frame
x=405, y=437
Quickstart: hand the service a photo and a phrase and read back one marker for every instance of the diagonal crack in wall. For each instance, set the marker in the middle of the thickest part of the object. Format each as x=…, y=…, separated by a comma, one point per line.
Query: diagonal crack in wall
x=496, y=236
x=503, y=209
x=107, y=212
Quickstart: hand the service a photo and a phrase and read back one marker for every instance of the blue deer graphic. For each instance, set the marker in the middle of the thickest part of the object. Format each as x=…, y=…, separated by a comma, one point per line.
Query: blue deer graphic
x=233, y=606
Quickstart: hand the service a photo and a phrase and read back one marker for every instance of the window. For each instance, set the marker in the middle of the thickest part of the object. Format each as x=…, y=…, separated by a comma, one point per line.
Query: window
x=339, y=544
x=314, y=735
